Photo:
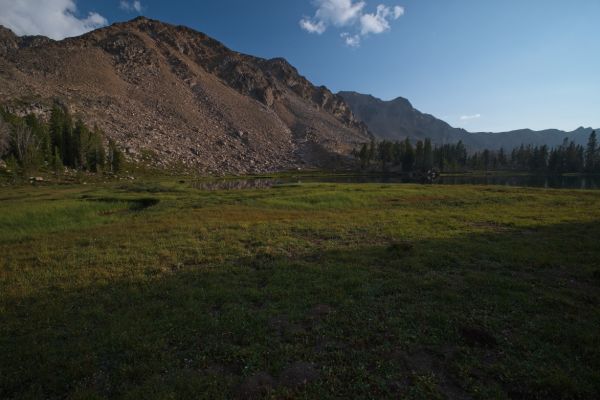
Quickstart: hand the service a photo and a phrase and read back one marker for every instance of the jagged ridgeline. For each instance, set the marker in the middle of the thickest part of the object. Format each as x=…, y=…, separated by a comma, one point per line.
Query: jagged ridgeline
x=30, y=143
x=397, y=120
x=172, y=96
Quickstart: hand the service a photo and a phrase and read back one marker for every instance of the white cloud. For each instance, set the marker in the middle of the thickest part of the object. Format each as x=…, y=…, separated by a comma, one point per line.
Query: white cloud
x=56, y=19
x=351, y=40
x=470, y=117
x=339, y=12
x=332, y=12
x=312, y=27
x=350, y=13
x=375, y=23
x=379, y=22
x=398, y=12
x=131, y=5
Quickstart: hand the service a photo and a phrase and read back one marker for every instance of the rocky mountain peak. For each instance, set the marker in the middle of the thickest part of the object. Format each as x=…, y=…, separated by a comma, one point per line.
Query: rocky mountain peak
x=170, y=94
x=403, y=103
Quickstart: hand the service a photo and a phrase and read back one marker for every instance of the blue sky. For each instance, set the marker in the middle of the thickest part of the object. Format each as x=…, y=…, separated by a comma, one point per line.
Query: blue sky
x=485, y=65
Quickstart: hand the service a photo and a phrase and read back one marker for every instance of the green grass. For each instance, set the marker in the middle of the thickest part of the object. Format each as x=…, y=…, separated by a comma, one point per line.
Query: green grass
x=157, y=290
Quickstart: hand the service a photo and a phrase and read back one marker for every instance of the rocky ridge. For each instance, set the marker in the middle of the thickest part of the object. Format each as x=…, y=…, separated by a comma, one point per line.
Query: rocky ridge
x=397, y=120
x=172, y=96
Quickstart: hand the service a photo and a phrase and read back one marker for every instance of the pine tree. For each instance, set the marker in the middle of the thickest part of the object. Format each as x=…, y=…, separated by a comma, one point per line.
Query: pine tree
x=397, y=153
x=554, y=161
x=385, y=154
x=95, y=154
x=56, y=162
x=408, y=161
x=428, y=155
x=420, y=156
x=25, y=146
x=502, y=158
x=4, y=138
x=592, y=163
x=371, y=156
x=79, y=144
x=40, y=131
x=115, y=157
x=486, y=158
x=363, y=155
x=67, y=141
x=56, y=129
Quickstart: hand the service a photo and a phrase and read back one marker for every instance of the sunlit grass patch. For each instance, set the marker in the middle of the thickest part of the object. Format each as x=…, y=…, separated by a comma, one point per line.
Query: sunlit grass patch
x=31, y=218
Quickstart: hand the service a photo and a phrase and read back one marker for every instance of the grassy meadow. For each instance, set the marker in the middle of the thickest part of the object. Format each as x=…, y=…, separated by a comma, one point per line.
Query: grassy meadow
x=158, y=290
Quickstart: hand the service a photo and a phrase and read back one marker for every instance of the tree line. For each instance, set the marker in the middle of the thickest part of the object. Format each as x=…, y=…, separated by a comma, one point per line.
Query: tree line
x=31, y=143
x=403, y=156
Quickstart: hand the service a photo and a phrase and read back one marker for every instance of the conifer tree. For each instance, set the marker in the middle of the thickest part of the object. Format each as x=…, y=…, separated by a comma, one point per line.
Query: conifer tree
x=25, y=146
x=591, y=154
x=67, y=140
x=95, y=154
x=56, y=162
x=408, y=161
x=4, y=138
x=56, y=129
x=428, y=155
x=363, y=155
x=115, y=157
x=420, y=156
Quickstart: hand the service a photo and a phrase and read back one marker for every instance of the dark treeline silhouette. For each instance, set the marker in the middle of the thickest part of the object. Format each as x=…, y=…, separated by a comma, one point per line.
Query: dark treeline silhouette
x=422, y=157
x=30, y=143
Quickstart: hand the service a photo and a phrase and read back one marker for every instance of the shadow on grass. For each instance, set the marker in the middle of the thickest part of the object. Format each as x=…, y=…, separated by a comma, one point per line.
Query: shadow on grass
x=501, y=314
x=137, y=204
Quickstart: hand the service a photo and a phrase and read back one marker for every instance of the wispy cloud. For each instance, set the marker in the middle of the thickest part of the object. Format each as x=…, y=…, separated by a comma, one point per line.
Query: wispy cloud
x=470, y=117
x=379, y=22
x=309, y=26
x=135, y=5
x=351, y=40
x=350, y=14
x=56, y=19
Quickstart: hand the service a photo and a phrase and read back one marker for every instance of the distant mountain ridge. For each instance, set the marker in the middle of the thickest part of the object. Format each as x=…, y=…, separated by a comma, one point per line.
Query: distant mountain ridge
x=171, y=96
x=397, y=119
x=175, y=96
x=512, y=139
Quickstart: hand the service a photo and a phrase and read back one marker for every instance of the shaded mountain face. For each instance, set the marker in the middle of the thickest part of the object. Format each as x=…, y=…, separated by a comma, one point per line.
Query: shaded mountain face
x=174, y=96
x=397, y=119
x=548, y=137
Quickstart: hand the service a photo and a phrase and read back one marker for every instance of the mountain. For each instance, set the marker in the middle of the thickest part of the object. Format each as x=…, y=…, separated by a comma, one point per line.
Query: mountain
x=174, y=96
x=398, y=119
x=512, y=139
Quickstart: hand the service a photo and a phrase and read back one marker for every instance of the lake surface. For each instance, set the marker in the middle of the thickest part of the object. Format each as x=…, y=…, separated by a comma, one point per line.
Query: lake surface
x=537, y=181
